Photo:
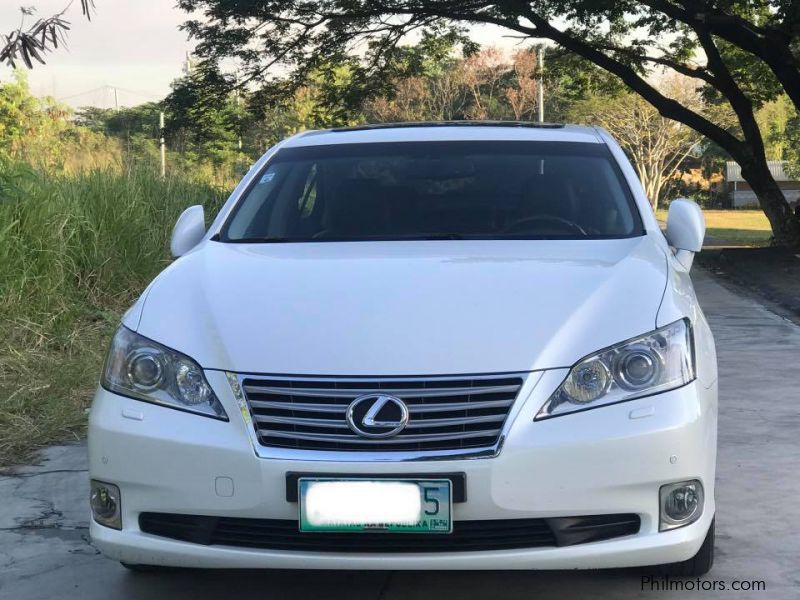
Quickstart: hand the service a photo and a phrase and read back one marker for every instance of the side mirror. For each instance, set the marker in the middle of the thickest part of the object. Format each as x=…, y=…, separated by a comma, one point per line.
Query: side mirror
x=189, y=230
x=686, y=229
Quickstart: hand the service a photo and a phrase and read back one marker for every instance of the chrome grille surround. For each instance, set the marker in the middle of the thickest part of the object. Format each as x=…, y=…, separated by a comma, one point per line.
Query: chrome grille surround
x=303, y=417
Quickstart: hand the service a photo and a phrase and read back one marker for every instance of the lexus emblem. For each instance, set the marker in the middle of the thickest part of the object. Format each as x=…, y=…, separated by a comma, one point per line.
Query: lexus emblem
x=377, y=416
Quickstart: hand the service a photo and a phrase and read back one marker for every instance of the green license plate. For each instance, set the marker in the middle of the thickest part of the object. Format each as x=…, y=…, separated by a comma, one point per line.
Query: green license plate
x=391, y=505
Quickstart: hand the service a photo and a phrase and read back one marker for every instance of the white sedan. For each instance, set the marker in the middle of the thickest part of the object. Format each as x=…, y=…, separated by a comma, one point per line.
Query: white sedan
x=417, y=346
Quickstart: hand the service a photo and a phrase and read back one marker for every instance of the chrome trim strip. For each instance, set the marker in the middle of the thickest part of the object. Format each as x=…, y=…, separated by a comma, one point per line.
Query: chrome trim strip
x=407, y=439
x=301, y=406
x=412, y=425
x=301, y=421
x=412, y=408
x=379, y=379
x=446, y=407
x=402, y=393
x=462, y=421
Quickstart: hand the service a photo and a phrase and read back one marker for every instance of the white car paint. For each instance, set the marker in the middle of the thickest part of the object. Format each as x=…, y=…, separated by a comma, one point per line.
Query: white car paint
x=418, y=309
x=501, y=305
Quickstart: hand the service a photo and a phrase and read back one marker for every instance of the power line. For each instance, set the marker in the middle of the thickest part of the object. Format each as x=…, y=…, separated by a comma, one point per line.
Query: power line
x=92, y=91
x=110, y=88
x=140, y=94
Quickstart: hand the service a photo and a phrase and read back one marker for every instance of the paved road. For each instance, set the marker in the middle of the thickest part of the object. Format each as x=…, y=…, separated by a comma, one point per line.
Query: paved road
x=44, y=552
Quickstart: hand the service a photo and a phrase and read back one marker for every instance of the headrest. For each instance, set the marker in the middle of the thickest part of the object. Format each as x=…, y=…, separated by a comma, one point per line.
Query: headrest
x=359, y=207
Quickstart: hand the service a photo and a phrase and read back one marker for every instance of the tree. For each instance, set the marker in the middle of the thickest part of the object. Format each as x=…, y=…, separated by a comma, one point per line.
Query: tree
x=569, y=79
x=522, y=96
x=136, y=127
x=29, y=43
x=427, y=82
x=40, y=132
x=411, y=101
x=657, y=146
x=123, y=122
x=735, y=38
x=484, y=73
x=774, y=119
x=485, y=84
x=203, y=118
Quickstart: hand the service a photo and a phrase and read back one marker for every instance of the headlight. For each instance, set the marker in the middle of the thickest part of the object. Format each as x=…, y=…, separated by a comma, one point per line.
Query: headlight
x=659, y=361
x=145, y=370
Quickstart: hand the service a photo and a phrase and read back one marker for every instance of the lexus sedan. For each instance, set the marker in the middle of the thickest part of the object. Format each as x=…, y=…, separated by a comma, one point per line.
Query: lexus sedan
x=416, y=346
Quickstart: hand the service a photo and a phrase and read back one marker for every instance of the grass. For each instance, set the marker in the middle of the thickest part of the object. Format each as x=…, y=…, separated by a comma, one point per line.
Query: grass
x=734, y=227
x=75, y=251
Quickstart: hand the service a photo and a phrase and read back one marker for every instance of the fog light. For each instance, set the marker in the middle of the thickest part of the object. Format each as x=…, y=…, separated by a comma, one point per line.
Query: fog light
x=680, y=504
x=105, y=502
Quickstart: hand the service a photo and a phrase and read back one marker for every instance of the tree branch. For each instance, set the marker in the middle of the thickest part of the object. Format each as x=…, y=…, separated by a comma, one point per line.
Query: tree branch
x=42, y=37
x=667, y=107
x=695, y=72
x=771, y=45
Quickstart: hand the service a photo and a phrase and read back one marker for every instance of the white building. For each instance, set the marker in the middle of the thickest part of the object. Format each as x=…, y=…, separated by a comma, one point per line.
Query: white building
x=742, y=196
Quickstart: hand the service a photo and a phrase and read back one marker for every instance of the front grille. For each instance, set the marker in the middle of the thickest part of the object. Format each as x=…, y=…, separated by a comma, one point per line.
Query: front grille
x=445, y=413
x=275, y=534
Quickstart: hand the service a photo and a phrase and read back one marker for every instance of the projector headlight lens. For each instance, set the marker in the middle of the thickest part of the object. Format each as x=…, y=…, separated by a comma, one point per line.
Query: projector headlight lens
x=145, y=370
x=656, y=362
x=140, y=368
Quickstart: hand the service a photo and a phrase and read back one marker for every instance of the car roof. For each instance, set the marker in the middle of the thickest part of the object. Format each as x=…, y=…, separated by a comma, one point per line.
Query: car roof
x=445, y=131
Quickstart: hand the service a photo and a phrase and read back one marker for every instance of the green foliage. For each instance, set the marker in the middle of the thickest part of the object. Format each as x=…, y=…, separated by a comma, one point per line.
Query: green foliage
x=69, y=244
x=792, y=147
x=432, y=56
x=570, y=79
x=123, y=123
x=75, y=250
x=753, y=77
x=40, y=132
x=302, y=35
x=775, y=118
x=29, y=43
x=203, y=117
x=84, y=225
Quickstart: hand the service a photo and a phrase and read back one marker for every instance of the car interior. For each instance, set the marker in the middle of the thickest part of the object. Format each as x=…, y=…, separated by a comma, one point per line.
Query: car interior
x=469, y=196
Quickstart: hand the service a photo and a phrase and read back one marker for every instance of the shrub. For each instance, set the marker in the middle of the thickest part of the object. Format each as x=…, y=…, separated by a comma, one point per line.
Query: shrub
x=75, y=250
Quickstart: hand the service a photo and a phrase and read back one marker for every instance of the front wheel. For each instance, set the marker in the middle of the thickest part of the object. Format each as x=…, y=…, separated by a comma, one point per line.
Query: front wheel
x=699, y=564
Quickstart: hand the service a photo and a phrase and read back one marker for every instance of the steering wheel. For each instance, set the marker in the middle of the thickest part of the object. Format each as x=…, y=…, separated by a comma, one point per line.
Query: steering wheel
x=518, y=226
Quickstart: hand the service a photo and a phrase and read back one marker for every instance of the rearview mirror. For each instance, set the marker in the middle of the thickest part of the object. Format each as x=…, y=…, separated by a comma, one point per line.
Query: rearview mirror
x=189, y=230
x=686, y=229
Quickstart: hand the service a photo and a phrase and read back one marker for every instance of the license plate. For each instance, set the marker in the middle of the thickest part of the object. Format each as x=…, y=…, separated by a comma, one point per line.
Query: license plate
x=396, y=505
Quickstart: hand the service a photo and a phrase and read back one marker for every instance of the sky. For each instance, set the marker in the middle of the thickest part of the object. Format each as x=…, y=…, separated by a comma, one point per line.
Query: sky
x=134, y=46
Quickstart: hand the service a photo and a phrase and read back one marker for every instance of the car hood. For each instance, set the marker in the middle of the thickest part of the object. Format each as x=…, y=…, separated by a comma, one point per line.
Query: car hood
x=404, y=308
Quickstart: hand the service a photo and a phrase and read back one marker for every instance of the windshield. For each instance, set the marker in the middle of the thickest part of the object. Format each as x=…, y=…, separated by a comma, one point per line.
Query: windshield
x=436, y=190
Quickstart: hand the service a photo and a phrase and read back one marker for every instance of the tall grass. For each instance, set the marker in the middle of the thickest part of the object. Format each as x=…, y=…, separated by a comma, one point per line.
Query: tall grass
x=74, y=252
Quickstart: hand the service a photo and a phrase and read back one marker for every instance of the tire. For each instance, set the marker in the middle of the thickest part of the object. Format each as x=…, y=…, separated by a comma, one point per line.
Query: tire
x=698, y=565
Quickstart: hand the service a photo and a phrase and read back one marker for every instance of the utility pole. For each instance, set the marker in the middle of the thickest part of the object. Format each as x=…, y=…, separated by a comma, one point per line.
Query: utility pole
x=161, y=143
x=116, y=100
x=541, y=84
x=238, y=111
x=187, y=64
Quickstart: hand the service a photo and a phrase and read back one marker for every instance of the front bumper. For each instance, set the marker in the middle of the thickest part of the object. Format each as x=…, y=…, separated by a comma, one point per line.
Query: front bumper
x=604, y=461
